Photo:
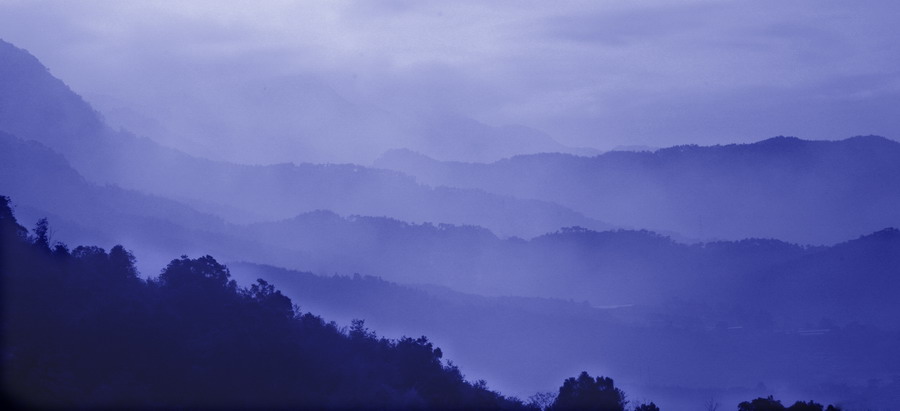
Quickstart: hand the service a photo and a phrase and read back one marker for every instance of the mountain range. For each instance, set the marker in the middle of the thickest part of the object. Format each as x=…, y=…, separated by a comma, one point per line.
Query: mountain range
x=36, y=106
x=783, y=243
x=811, y=192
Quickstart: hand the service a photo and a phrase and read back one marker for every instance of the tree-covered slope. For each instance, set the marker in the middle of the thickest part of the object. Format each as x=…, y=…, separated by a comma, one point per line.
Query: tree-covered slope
x=679, y=354
x=82, y=329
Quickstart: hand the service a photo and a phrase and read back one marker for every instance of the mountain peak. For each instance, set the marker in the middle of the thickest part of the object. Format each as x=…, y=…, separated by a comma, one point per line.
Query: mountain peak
x=34, y=105
x=887, y=234
x=871, y=139
x=781, y=140
x=15, y=57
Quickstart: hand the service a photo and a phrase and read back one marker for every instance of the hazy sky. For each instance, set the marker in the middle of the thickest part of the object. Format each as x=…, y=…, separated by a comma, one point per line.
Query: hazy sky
x=590, y=73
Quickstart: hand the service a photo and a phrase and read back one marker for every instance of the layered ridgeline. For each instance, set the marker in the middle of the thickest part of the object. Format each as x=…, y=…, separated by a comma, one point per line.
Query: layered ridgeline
x=58, y=159
x=297, y=117
x=794, y=190
x=813, y=192
x=82, y=329
x=38, y=107
x=43, y=184
x=604, y=268
x=611, y=268
x=796, y=284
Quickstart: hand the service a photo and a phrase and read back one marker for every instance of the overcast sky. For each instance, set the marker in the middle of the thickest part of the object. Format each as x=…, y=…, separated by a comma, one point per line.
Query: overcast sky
x=589, y=73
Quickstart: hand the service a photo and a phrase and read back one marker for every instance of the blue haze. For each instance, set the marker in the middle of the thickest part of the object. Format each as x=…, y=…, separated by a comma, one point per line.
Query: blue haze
x=443, y=169
x=349, y=81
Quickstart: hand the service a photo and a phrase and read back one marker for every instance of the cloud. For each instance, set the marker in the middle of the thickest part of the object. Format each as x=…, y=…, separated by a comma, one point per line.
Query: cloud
x=564, y=67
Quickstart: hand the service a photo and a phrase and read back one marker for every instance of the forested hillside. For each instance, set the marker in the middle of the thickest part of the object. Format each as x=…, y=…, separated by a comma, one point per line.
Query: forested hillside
x=82, y=329
x=676, y=353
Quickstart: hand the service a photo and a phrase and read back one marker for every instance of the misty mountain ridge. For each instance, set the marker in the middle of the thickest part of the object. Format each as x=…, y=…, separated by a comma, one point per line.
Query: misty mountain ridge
x=609, y=268
x=201, y=323
x=301, y=118
x=606, y=268
x=645, y=267
x=812, y=192
x=767, y=189
x=43, y=184
x=571, y=263
x=42, y=108
x=517, y=248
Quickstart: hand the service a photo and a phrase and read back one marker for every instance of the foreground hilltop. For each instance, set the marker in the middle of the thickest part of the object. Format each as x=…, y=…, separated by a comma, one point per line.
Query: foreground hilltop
x=82, y=329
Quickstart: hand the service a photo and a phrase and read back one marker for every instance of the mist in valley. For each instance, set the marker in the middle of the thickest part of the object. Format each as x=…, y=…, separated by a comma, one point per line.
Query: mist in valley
x=700, y=200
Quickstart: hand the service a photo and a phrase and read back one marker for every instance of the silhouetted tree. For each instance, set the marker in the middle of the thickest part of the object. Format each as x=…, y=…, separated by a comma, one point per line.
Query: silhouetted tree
x=761, y=404
x=771, y=404
x=60, y=250
x=806, y=406
x=201, y=272
x=646, y=407
x=358, y=330
x=541, y=400
x=811, y=406
x=93, y=259
x=10, y=228
x=42, y=234
x=121, y=262
x=588, y=393
x=270, y=299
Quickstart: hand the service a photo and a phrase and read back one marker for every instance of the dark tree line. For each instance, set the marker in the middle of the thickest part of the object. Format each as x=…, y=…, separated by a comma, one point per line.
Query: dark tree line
x=588, y=393
x=81, y=329
x=771, y=404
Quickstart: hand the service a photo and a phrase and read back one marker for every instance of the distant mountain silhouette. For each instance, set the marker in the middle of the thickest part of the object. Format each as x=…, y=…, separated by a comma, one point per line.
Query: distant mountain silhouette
x=606, y=268
x=813, y=192
x=43, y=184
x=449, y=137
x=36, y=106
x=300, y=118
x=854, y=273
